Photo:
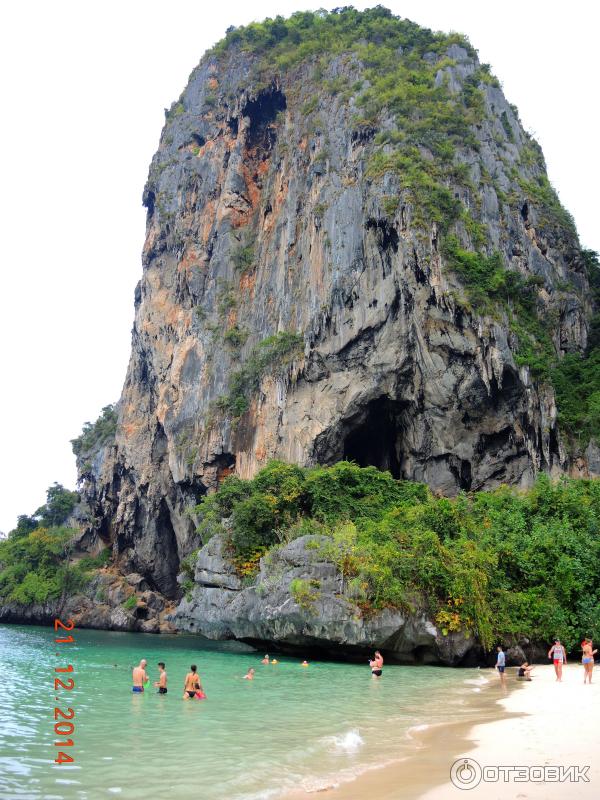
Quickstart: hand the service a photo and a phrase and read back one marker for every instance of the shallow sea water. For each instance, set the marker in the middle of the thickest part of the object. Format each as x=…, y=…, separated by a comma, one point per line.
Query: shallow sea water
x=291, y=727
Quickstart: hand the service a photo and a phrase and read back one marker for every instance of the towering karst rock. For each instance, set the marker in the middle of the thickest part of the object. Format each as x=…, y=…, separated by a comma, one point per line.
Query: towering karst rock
x=352, y=251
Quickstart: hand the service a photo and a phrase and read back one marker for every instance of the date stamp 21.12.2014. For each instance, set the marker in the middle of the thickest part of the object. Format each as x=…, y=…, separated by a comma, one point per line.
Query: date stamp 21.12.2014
x=63, y=724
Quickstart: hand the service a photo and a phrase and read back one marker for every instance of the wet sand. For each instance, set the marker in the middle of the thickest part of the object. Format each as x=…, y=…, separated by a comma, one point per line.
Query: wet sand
x=536, y=724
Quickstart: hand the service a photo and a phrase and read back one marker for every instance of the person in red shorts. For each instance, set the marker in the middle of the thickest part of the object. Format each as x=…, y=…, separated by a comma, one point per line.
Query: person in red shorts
x=559, y=655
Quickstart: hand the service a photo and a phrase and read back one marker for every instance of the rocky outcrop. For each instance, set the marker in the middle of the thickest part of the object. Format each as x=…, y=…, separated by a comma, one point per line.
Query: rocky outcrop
x=109, y=602
x=297, y=604
x=265, y=215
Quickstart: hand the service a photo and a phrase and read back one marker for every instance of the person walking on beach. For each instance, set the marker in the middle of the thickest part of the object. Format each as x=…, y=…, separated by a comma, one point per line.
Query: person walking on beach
x=376, y=665
x=192, y=686
x=501, y=664
x=139, y=676
x=161, y=683
x=587, y=659
x=559, y=655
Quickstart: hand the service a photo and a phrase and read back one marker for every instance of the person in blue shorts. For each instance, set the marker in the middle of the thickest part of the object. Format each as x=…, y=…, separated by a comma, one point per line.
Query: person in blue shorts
x=139, y=676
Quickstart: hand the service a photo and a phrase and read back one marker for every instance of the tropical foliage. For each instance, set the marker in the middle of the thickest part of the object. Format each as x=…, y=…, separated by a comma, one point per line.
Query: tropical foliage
x=34, y=559
x=500, y=564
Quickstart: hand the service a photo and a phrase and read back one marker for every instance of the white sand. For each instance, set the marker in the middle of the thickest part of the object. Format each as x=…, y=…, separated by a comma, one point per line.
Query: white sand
x=558, y=725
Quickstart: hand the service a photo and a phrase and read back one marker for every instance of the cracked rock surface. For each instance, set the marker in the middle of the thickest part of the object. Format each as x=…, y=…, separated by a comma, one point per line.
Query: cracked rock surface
x=261, y=221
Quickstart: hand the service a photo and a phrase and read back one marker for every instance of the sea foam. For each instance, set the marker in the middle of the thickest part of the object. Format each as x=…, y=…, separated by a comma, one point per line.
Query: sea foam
x=349, y=742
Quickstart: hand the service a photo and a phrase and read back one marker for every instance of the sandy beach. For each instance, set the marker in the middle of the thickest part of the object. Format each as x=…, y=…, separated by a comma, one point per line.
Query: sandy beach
x=539, y=724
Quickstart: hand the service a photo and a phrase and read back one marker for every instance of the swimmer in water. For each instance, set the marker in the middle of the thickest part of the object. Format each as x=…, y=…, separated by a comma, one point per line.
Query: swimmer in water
x=376, y=664
x=192, y=684
x=249, y=676
x=304, y=664
x=265, y=660
x=161, y=683
x=139, y=676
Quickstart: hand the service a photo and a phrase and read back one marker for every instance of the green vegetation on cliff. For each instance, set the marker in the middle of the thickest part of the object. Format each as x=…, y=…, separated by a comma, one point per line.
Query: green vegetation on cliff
x=34, y=559
x=96, y=434
x=500, y=564
x=419, y=107
x=576, y=378
x=400, y=67
x=270, y=356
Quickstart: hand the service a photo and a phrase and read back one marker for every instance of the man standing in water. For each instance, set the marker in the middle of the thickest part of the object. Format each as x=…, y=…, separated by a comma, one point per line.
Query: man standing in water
x=139, y=676
x=192, y=685
x=501, y=665
x=161, y=683
x=559, y=655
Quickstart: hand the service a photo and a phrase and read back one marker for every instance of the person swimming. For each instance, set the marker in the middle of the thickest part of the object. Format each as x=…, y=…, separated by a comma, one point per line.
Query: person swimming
x=376, y=664
x=249, y=676
x=139, y=677
x=192, y=686
x=265, y=660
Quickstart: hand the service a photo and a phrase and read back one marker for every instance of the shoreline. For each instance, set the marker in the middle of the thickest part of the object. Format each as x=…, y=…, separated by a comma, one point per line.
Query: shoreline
x=409, y=775
x=535, y=724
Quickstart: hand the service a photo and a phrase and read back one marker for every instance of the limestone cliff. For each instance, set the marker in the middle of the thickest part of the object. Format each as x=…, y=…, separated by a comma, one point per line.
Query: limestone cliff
x=305, y=291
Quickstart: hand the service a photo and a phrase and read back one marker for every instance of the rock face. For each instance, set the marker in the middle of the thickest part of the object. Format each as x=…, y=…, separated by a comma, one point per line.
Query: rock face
x=265, y=215
x=319, y=620
x=102, y=605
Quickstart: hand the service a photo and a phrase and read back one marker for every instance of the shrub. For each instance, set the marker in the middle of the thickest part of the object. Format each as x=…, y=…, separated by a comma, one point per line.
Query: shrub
x=235, y=337
x=96, y=562
x=305, y=592
x=269, y=356
x=97, y=434
x=130, y=603
x=576, y=381
x=244, y=256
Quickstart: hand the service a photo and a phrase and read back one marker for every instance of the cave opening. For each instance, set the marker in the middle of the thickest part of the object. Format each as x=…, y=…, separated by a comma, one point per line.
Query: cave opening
x=232, y=124
x=375, y=440
x=385, y=234
x=198, y=140
x=149, y=201
x=262, y=111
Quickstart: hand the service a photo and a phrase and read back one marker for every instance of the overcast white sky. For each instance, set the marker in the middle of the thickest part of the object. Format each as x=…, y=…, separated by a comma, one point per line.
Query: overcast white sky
x=82, y=94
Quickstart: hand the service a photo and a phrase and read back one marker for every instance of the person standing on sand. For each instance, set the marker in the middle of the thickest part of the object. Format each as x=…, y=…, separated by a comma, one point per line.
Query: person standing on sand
x=192, y=685
x=501, y=664
x=161, y=683
x=559, y=655
x=139, y=676
x=587, y=659
x=376, y=665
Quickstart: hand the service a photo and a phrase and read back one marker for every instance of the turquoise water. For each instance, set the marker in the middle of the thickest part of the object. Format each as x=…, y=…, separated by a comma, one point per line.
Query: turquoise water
x=290, y=727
